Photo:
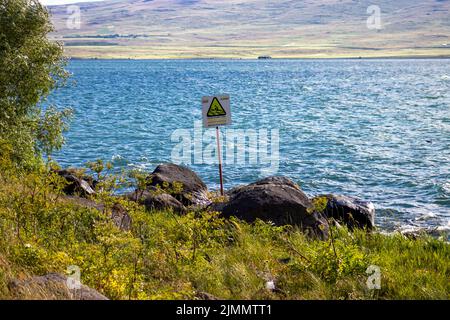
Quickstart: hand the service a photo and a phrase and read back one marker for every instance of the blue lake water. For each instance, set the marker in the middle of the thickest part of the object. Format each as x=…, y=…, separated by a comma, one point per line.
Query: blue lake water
x=376, y=129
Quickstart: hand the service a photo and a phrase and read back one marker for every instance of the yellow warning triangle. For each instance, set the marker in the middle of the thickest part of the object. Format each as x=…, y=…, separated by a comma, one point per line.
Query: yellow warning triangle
x=216, y=109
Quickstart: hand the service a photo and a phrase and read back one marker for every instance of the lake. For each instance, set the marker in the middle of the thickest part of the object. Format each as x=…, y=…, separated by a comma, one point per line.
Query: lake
x=376, y=129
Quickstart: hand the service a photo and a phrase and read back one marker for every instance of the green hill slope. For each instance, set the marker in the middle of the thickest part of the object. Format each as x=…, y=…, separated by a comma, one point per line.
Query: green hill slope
x=247, y=29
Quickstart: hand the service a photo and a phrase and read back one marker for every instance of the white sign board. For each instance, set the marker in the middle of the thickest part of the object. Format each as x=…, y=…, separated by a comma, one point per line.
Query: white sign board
x=216, y=111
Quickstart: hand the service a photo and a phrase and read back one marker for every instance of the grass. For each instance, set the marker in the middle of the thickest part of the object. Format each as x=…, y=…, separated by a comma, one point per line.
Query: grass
x=169, y=256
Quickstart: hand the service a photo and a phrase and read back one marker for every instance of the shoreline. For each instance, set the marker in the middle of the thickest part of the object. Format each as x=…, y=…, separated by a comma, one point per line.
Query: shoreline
x=446, y=57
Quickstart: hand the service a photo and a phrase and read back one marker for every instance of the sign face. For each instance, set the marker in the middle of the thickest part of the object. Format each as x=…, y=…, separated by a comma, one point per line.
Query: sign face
x=216, y=111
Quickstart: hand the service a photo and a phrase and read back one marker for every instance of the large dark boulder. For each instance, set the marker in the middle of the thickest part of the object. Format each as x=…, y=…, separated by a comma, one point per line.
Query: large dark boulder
x=352, y=211
x=206, y=296
x=52, y=286
x=194, y=191
x=75, y=185
x=154, y=200
x=276, y=199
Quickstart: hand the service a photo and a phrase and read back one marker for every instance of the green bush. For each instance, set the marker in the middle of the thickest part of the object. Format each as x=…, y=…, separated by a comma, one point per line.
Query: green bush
x=171, y=256
x=31, y=66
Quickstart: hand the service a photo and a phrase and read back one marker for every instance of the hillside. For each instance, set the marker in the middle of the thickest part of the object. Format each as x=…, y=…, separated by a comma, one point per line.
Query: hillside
x=247, y=29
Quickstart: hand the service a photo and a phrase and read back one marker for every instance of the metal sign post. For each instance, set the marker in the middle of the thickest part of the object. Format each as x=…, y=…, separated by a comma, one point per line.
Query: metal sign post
x=220, y=161
x=216, y=112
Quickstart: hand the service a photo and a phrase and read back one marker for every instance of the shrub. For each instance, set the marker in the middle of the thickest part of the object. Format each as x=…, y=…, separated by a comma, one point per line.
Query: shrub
x=171, y=256
x=30, y=67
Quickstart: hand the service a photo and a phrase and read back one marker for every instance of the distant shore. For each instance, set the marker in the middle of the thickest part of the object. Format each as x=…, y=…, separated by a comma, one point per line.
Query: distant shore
x=412, y=57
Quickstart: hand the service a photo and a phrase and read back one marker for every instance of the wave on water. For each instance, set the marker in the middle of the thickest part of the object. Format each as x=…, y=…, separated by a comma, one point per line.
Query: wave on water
x=427, y=216
x=392, y=221
x=378, y=132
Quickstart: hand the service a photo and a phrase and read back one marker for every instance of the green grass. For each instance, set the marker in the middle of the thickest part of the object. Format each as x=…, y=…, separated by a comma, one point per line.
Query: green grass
x=168, y=256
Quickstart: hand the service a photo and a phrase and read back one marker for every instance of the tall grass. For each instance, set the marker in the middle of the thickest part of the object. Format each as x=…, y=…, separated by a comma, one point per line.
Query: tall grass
x=169, y=256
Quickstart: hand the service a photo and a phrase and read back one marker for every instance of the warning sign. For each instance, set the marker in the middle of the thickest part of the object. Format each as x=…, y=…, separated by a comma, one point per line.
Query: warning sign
x=216, y=111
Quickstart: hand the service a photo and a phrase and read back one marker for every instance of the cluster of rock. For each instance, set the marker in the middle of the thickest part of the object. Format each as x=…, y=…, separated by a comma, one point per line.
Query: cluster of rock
x=278, y=200
x=77, y=190
x=275, y=199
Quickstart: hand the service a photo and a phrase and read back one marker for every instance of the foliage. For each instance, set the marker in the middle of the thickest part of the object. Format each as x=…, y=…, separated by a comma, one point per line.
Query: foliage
x=319, y=204
x=164, y=255
x=170, y=256
x=30, y=67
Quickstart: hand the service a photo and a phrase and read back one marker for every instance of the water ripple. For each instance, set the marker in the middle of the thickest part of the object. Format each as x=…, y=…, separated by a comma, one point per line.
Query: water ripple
x=377, y=129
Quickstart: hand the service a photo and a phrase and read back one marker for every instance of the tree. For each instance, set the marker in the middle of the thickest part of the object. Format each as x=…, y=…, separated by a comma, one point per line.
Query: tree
x=31, y=66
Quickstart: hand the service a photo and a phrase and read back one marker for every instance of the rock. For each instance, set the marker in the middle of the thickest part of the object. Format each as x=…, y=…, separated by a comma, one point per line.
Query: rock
x=351, y=211
x=270, y=285
x=194, y=191
x=206, y=296
x=75, y=185
x=153, y=200
x=234, y=190
x=52, y=286
x=119, y=215
x=279, y=200
x=83, y=202
x=277, y=180
x=163, y=201
x=217, y=206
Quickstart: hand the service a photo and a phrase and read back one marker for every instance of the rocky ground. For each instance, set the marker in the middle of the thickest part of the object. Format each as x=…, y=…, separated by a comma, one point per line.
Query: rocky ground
x=277, y=199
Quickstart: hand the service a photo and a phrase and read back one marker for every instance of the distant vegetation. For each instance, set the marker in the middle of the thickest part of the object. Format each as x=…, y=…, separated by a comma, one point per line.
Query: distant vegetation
x=105, y=36
x=248, y=29
x=90, y=43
